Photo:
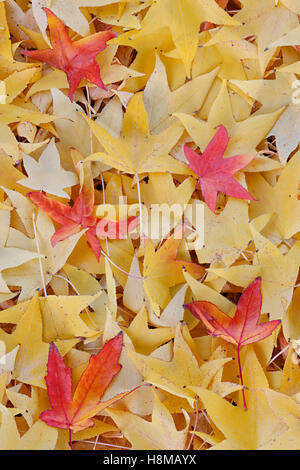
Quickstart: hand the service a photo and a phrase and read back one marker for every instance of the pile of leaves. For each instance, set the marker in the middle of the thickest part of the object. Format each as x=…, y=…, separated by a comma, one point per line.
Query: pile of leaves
x=114, y=335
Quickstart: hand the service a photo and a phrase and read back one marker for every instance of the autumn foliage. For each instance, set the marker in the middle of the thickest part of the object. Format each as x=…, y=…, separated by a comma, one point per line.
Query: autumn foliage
x=149, y=225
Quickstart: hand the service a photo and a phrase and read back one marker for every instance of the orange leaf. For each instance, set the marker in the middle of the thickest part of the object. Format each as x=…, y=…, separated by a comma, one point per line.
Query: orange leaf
x=242, y=329
x=75, y=413
x=73, y=219
x=76, y=58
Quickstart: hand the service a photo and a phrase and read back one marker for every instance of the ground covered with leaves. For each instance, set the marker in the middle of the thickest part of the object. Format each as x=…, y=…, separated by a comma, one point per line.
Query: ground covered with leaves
x=149, y=224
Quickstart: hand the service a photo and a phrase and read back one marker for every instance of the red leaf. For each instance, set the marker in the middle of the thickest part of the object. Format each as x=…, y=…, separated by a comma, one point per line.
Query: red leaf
x=76, y=58
x=243, y=328
x=76, y=413
x=73, y=219
x=215, y=172
x=59, y=386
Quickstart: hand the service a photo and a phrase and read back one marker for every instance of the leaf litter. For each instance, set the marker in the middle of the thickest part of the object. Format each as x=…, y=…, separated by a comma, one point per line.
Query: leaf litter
x=126, y=322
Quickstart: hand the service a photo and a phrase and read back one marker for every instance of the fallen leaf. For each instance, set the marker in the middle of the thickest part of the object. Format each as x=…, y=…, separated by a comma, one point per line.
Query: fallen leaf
x=215, y=173
x=184, y=19
x=152, y=435
x=76, y=58
x=162, y=270
x=136, y=150
x=243, y=328
x=75, y=413
x=38, y=173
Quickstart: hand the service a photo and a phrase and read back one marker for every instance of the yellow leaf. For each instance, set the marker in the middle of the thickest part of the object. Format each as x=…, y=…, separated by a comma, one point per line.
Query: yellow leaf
x=160, y=433
x=145, y=339
x=184, y=18
x=252, y=429
x=280, y=200
x=32, y=356
x=162, y=270
x=5, y=44
x=38, y=437
x=265, y=20
x=138, y=151
x=38, y=173
x=180, y=374
x=161, y=102
x=245, y=135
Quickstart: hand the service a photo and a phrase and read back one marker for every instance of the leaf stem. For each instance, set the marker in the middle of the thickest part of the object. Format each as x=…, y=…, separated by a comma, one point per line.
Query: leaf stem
x=70, y=439
x=39, y=254
x=241, y=376
x=119, y=268
x=195, y=425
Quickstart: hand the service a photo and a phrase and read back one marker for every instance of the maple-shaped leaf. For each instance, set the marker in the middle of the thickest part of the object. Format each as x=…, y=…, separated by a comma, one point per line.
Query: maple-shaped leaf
x=246, y=132
x=267, y=21
x=72, y=219
x=75, y=413
x=178, y=375
x=271, y=421
x=163, y=270
x=161, y=103
x=280, y=199
x=28, y=337
x=152, y=435
x=278, y=272
x=136, y=150
x=38, y=173
x=38, y=437
x=183, y=18
x=76, y=58
x=243, y=328
x=215, y=172
x=80, y=216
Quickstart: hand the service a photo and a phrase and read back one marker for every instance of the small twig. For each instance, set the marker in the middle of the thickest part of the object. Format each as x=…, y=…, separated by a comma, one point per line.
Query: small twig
x=92, y=151
x=90, y=116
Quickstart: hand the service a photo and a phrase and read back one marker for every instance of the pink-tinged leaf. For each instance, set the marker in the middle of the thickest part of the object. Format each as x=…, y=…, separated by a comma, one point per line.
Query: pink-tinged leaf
x=84, y=205
x=215, y=173
x=216, y=147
